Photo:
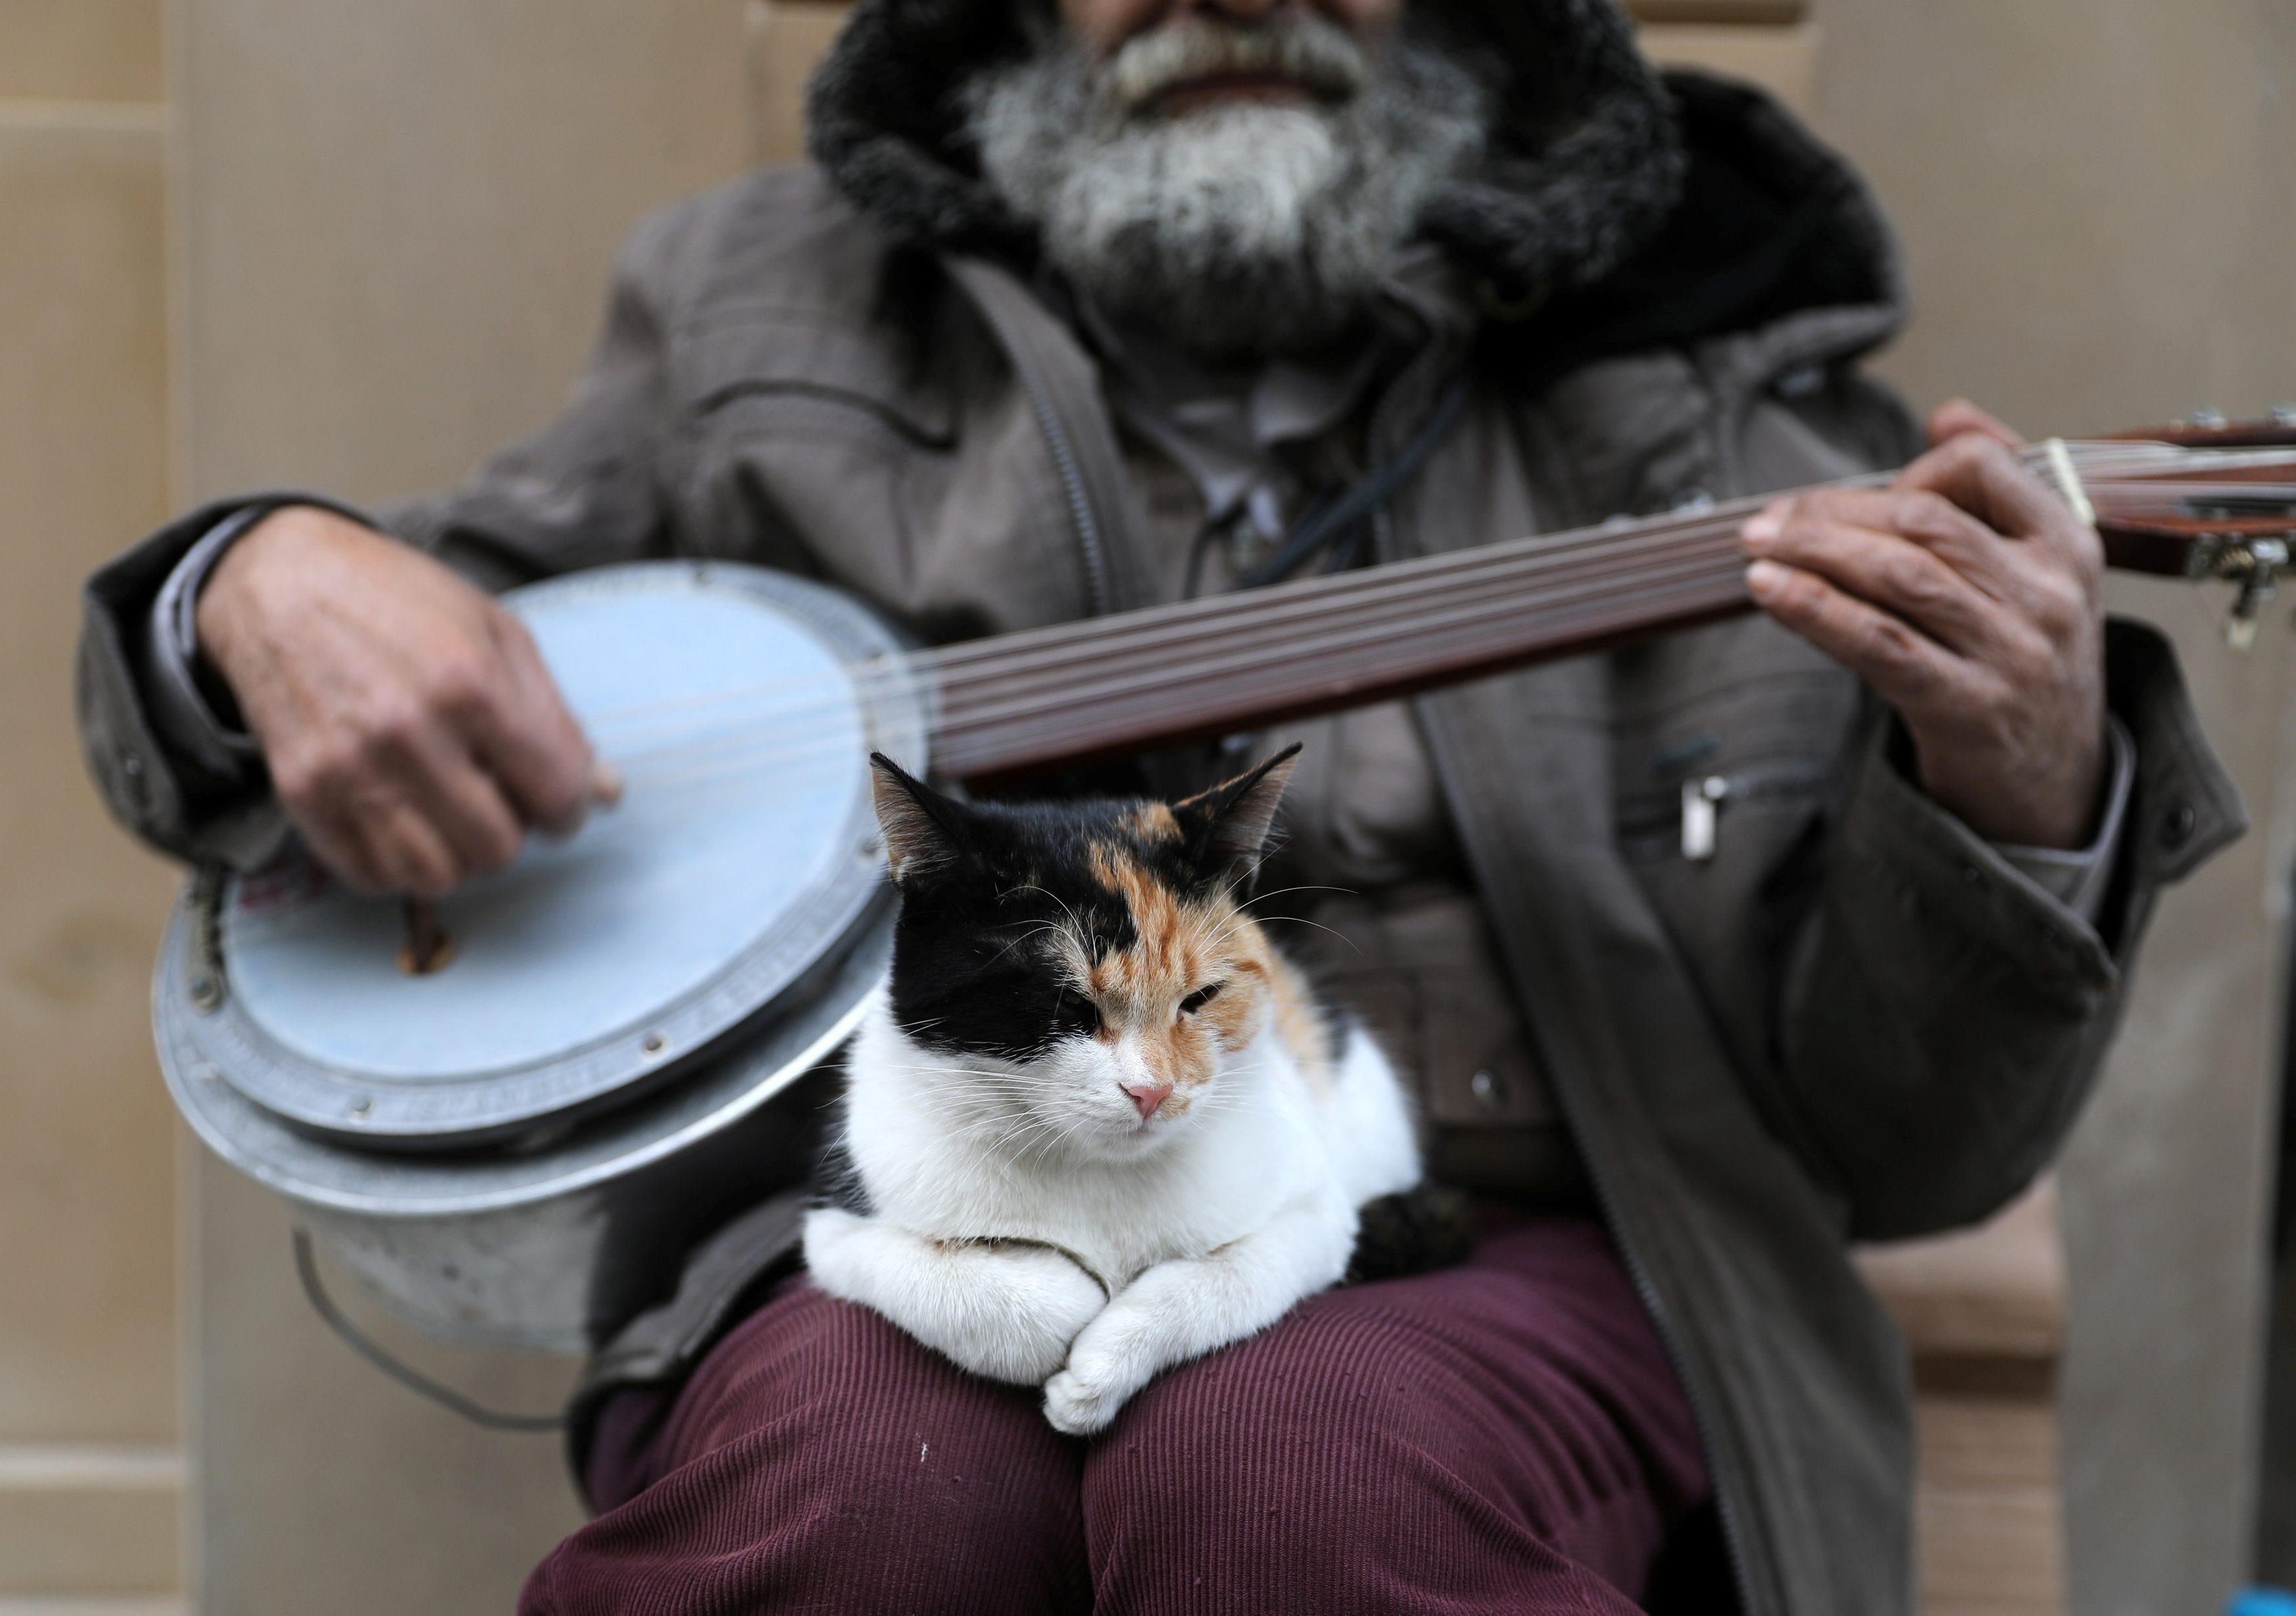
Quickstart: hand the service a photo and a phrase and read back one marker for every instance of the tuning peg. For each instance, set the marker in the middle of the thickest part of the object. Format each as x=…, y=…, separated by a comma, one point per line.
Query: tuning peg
x=2254, y=565
x=2207, y=420
x=2283, y=415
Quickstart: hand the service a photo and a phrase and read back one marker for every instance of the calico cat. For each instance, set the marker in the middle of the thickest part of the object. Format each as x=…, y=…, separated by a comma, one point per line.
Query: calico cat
x=1096, y=1126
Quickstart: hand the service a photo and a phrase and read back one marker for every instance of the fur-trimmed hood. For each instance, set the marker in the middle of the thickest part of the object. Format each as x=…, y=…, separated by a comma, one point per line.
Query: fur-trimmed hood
x=1585, y=166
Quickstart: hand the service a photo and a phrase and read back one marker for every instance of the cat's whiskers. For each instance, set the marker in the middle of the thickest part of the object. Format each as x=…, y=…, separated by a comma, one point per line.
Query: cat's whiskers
x=1039, y=928
x=1319, y=926
x=1348, y=892
x=1086, y=938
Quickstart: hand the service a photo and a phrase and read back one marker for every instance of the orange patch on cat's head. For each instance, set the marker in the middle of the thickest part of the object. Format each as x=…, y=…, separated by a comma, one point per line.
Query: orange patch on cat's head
x=1182, y=944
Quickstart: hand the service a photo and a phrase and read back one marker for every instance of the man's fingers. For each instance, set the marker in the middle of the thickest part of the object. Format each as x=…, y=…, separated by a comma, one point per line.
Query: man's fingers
x=1928, y=519
x=427, y=825
x=1959, y=418
x=1986, y=480
x=1903, y=666
x=1887, y=570
x=607, y=784
x=526, y=736
x=407, y=853
x=465, y=807
x=334, y=839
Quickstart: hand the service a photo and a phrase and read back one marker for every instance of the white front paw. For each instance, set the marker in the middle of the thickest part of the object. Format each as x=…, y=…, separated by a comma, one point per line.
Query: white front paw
x=1024, y=1322
x=1100, y=1379
x=1077, y=1407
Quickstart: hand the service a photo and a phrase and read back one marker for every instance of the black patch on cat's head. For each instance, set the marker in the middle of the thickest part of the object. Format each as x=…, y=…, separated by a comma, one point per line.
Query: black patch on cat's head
x=987, y=889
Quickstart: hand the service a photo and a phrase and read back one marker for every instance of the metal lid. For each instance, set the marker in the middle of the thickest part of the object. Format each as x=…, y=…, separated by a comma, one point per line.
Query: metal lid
x=741, y=705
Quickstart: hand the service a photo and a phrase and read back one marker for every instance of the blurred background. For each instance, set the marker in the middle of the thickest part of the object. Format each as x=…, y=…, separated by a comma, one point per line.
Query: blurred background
x=353, y=246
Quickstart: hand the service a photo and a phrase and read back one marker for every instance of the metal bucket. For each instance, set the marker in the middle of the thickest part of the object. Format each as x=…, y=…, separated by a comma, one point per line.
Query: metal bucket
x=553, y=1244
x=518, y=1151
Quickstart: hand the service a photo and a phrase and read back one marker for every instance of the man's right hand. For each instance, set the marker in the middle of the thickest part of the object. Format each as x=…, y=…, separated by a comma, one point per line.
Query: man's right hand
x=414, y=735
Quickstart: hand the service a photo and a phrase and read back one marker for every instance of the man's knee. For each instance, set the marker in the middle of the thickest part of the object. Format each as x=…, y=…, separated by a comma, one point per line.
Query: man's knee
x=1266, y=1466
x=820, y=1457
x=1368, y=1452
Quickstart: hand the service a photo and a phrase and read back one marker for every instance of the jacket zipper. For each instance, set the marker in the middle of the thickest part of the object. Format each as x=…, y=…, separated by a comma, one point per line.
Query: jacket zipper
x=1088, y=524
x=1698, y=813
x=1090, y=541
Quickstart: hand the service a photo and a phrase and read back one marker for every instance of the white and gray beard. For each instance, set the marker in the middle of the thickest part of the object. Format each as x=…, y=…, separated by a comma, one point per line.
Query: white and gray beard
x=1238, y=230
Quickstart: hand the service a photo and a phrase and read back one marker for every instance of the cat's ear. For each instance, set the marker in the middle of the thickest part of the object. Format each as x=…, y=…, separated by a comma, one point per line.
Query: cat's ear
x=923, y=828
x=1226, y=828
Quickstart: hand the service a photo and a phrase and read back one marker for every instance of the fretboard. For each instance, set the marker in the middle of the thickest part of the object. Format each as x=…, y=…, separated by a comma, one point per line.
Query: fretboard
x=1112, y=685
x=1105, y=687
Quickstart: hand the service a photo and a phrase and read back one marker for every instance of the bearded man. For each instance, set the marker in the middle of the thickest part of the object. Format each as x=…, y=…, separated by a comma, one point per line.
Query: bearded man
x=1091, y=305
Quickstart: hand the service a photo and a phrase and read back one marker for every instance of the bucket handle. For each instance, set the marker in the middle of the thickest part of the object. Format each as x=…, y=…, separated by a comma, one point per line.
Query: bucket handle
x=307, y=1269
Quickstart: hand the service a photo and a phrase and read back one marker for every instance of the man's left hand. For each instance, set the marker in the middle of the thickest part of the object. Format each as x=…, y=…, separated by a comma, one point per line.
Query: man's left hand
x=1970, y=597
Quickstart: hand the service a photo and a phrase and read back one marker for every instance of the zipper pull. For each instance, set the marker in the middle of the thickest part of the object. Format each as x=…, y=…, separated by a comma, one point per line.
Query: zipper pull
x=1701, y=816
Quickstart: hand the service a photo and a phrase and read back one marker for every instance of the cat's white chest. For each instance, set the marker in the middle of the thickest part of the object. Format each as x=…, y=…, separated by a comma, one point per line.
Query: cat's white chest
x=1220, y=1177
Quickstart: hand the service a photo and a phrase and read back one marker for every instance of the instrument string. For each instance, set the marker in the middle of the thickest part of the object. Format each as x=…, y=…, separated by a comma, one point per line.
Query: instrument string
x=977, y=736
x=1023, y=651
x=1023, y=688
x=1013, y=719
x=986, y=696
x=1005, y=703
x=1694, y=593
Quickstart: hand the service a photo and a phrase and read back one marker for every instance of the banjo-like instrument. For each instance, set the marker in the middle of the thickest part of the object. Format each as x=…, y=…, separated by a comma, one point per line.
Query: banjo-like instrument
x=508, y=1127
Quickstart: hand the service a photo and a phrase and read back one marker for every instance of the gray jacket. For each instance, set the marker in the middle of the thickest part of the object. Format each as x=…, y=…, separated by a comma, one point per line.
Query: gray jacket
x=1856, y=1021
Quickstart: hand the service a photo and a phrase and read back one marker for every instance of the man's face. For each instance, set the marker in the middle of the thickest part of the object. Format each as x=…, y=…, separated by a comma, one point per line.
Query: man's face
x=1237, y=176
x=1103, y=28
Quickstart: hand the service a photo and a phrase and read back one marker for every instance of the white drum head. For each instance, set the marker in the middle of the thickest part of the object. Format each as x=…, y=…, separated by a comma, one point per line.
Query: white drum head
x=741, y=707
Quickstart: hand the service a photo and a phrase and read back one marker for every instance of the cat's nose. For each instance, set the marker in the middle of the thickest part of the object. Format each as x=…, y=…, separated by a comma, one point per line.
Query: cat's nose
x=1148, y=1097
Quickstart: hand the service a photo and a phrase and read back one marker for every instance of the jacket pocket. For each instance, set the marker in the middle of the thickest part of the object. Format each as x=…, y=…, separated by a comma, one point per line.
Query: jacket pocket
x=803, y=449
x=735, y=365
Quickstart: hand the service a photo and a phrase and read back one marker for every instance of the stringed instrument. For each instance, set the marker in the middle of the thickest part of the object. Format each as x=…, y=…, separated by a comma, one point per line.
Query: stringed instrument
x=502, y=1124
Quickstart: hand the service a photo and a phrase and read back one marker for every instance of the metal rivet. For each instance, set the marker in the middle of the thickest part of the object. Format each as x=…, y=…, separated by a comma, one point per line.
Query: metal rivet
x=1973, y=876
x=132, y=764
x=1486, y=1090
x=2178, y=825
x=362, y=1107
x=2210, y=420
x=206, y=993
x=655, y=1043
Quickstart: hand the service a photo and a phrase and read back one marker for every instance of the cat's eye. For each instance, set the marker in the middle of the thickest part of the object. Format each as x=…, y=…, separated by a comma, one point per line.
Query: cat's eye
x=1076, y=1011
x=1202, y=997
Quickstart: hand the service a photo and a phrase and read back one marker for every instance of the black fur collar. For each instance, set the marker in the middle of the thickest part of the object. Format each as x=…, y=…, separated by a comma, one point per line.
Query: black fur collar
x=1587, y=165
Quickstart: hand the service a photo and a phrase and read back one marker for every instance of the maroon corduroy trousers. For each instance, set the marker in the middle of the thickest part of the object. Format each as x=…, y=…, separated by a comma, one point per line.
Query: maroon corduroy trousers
x=1504, y=1436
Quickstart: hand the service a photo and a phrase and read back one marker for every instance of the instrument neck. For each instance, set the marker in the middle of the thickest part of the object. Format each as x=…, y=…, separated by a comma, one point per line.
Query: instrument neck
x=1112, y=686
x=1105, y=687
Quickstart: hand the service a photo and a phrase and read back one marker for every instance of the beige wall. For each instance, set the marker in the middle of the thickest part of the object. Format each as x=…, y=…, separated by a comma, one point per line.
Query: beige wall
x=396, y=226
x=2095, y=198
x=393, y=230
x=90, y=1474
